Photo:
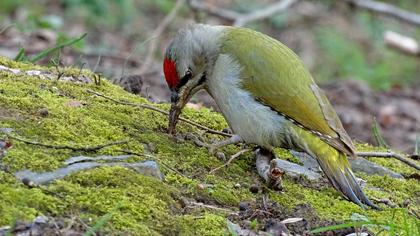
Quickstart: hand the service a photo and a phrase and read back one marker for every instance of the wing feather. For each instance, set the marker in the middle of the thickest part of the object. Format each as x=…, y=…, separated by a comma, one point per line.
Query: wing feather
x=287, y=87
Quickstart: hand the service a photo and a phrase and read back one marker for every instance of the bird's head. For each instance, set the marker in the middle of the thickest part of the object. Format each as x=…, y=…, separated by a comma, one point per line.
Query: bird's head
x=188, y=61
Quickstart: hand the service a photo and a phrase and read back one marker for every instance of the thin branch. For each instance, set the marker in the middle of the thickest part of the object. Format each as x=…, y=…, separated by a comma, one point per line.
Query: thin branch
x=150, y=107
x=233, y=157
x=6, y=27
x=402, y=43
x=264, y=13
x=384, y=201
x=240, y=19
x=156, y=159
x=387, y=9
x=156, y=34
x=73, y=148
x=200, y=204
x=389, y=155
x=214, y=10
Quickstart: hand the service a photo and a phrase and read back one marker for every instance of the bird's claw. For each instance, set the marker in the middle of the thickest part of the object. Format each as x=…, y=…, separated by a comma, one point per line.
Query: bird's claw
x=216, y=145
x=213, y=147
x=268, y=169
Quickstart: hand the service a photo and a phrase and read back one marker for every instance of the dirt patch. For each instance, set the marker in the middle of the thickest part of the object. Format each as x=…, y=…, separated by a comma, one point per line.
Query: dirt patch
x=42, y=225
x=9, y=114
x=261, y=216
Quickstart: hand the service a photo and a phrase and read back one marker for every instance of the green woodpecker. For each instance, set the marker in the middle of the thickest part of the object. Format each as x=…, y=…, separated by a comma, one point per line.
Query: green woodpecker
x=265, y=94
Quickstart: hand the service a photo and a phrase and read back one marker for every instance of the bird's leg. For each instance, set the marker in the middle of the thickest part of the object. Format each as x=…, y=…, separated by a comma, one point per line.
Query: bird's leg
x=267, y=169
x=216, y=145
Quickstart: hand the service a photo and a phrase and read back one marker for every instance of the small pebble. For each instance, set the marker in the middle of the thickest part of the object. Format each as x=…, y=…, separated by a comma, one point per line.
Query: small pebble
x=221, y=156
x=238, y=185
x=28, y=182
x=43, y=112
x=41, y=220
x=406, y=202
x=254, y=188
x=204, y=186
x=243, y=206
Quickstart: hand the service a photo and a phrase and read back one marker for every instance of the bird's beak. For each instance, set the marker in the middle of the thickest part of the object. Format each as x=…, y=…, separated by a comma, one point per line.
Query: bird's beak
x=178, y=101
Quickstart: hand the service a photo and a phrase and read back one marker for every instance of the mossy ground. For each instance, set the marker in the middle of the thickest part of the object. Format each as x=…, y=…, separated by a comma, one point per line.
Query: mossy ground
x=145, y=206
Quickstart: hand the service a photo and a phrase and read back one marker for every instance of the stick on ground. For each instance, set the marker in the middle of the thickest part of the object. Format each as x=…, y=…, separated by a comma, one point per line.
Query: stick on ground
x=233, y=157
x=389, y=155
x=150, y=107
x=73, y=148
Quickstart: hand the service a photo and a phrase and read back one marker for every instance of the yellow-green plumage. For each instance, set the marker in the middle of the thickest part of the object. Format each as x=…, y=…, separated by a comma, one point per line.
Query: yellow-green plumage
x=265, y=93
x=276, y=77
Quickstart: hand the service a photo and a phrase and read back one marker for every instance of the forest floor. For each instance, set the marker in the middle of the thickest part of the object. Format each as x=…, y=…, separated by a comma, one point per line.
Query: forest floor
x=57, y=125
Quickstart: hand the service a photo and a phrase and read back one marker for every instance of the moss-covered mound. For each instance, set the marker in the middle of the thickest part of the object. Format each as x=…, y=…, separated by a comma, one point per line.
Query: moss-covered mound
x=59, y=112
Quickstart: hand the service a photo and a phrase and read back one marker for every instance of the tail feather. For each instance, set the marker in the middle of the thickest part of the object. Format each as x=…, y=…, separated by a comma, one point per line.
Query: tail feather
x=336, y=167
x=343, y=180
x=359, y=191
x=340, y=182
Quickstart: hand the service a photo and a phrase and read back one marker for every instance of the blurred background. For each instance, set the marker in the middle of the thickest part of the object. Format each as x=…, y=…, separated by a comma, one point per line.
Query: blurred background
x=365, y=54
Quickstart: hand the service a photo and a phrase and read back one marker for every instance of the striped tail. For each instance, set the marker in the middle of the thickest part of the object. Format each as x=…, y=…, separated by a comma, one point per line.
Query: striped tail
x=335, y=165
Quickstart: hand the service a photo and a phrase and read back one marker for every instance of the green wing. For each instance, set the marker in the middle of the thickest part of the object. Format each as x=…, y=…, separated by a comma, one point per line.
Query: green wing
x=287, y=86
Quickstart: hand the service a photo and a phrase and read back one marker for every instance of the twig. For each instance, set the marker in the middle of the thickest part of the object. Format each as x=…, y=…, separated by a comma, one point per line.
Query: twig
x=387, y=155
x=384, y=201
x=98, y=61
x=6, y=27
x=402, y=43
x=264, y=13
x=156, y=33
x=154, y=158
x=199, y=204
x=213, y=10
x=86, y=149
x=240, y=19
x=233, y=157
x=387, y=9
x=146, y=106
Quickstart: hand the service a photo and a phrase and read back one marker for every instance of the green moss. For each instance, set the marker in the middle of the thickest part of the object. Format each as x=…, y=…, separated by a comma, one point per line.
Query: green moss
x=20, y=203
x=144, y=203
x=146, y=206
x=286, y=155
x=208, y=224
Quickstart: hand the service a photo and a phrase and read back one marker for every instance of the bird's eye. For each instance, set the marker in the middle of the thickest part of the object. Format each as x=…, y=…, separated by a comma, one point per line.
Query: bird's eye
x=188, y=75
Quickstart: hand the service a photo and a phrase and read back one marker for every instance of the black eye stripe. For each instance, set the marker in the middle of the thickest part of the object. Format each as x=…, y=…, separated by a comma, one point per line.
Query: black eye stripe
x=184, y=79
x=202, y=79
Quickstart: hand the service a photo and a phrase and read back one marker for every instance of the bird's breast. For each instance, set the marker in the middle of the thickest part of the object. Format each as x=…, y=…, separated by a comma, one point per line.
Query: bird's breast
x=253, y=121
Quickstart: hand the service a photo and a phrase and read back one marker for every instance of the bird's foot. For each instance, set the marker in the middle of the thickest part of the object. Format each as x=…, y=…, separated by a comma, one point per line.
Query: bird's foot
x=217, y=145
x=213, y=147
x=267, y=168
